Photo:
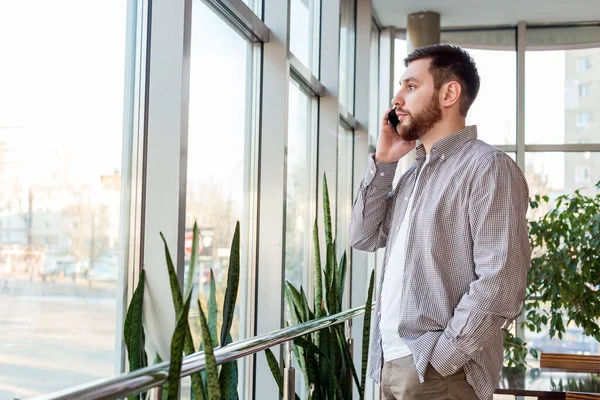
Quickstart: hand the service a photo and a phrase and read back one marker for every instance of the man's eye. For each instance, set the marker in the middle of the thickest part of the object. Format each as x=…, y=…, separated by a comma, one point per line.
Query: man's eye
x=411, y=87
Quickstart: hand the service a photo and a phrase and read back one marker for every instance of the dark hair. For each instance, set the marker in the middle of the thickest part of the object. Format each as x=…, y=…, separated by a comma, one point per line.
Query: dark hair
x=448, y=63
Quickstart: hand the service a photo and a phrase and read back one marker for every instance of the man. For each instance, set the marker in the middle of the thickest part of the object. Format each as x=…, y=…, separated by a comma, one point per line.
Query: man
x=456, y=238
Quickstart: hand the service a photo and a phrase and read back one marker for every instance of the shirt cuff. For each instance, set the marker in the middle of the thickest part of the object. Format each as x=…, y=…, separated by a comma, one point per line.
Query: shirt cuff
x=381, y=174
x=446, y=358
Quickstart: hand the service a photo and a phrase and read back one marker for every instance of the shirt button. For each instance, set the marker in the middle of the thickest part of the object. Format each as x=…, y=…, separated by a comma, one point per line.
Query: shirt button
x=382, y=174
x=406, y=198
x=442, y=156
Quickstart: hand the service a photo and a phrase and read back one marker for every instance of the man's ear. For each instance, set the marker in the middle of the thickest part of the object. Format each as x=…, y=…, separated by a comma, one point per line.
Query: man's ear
x=450, y=93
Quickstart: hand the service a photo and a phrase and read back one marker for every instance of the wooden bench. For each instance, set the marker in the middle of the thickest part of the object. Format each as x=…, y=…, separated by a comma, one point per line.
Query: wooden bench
x=571, y=362
x=582, y=396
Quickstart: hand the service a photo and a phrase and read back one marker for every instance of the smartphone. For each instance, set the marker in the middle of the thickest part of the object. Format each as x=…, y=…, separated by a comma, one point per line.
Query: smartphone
x=393, y=119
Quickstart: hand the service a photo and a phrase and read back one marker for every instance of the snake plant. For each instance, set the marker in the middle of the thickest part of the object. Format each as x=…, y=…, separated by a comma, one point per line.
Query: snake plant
x=214, y=382
x=325, y=357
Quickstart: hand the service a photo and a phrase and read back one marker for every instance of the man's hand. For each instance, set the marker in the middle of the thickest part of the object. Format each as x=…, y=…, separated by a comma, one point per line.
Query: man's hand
x=390, y=146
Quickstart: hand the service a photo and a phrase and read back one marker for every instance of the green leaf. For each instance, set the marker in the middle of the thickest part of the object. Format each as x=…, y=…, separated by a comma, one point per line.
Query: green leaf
x=188, y=347
x=341, y=281
x=332, y=299
x=534, y=353
x=300, y=358
x=213, y=311
x=348, y=362
x=305, y=308
x=366, y=337
x=318, y=274
x=233, y=280
x=312, y=373
x=228, y=380
x=296, y=298
x=165, y=386
x=193, y=262
x=197, y=386
x=327, y=212
x=175, y=289
x=274, y=367
x=176, y=292
x=177, y=343
x=312, y=349
x=214, y=389
x=133, y=327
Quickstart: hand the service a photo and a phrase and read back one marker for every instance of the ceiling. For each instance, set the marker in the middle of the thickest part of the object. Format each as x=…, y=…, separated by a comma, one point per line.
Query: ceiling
x=458, y=13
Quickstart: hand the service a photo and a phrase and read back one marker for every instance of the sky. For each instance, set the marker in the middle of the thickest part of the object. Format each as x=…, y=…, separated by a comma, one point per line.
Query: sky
x=61, y=90
x=61, y=82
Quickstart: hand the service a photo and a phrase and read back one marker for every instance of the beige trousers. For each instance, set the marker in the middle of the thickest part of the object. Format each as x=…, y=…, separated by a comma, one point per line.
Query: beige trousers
x=400, y=381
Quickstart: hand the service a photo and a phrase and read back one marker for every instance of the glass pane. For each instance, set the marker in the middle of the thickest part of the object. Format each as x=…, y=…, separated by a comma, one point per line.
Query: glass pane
x=344, y=189
x=400, y=53
x=347, y=41
x=344, y=198
x=304, y=29
x=558, y=173
x=567, y=111
x=573, y=341
x=300, y=202
x=554, y=174
x=219, y=161
x=374, y=86
x=61, y=133
x=495, y=109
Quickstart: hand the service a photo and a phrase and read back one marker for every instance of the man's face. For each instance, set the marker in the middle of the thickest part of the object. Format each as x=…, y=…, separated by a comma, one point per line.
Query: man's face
x=417, y=103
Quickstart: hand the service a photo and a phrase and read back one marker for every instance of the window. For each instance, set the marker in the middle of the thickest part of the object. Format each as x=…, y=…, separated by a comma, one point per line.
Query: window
x=304, y=32
x=583, y=64
x=374, y=87
x=344, y=198
x=344, y=189
x=347, y=50
x=61, y=124
x=554, y=174
x=495, y=109
x=583, y=174
x=560, y=113
x=219, y=158
x=400, y=53
x=300, y=196
x=583, y=119
x=301, y=184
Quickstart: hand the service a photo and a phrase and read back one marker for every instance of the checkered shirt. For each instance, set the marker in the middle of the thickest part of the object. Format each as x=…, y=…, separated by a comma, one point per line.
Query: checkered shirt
x=467, y=254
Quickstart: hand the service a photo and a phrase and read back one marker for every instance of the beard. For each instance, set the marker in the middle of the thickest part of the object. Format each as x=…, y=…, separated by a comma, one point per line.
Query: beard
x=422, y=121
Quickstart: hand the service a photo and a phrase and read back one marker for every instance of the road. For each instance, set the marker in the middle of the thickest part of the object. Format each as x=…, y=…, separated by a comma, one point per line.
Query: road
x=53, y=336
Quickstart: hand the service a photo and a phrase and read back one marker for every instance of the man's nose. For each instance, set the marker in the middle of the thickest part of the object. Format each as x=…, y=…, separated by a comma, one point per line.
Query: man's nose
x=397, y=100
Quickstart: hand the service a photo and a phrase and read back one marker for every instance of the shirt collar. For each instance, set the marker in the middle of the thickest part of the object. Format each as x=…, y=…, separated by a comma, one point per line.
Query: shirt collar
x=448, y=145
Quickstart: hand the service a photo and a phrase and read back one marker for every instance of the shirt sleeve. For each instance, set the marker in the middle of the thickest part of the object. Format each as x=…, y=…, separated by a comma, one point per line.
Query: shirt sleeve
x=501, y=255
x=373, y=206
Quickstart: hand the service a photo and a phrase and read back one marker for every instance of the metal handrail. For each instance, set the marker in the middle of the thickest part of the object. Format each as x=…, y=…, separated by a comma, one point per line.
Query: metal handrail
x=155, y=375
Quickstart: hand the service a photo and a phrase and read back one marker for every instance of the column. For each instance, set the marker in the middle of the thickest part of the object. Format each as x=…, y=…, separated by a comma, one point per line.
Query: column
x=422, y=29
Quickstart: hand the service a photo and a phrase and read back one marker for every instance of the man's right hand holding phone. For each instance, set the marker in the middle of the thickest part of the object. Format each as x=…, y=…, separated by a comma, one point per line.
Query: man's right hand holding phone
x=390, y=146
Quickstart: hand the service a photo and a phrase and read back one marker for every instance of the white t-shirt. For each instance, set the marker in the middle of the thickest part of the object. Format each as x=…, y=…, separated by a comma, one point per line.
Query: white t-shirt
x=391, y=290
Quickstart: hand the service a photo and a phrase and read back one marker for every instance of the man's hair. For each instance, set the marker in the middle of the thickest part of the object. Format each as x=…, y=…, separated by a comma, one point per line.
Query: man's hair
x=450, y=63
